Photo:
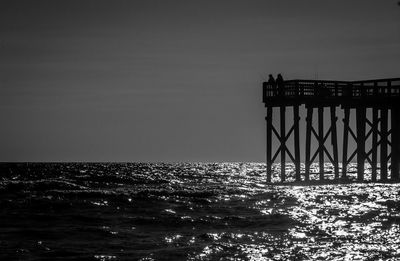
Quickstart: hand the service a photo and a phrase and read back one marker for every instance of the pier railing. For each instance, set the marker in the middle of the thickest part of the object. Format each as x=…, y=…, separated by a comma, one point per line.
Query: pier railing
x=301, y=90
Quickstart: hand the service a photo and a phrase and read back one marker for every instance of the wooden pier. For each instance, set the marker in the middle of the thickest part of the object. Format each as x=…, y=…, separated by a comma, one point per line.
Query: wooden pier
x=380, y=97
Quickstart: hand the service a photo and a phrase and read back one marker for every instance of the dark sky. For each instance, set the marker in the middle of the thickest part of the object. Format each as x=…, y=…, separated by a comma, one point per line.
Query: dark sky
x=171, y=80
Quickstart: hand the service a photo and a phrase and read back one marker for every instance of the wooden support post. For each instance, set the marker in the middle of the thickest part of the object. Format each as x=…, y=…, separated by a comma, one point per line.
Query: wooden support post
x=345, y=141
x=384, y=143
x=269, y=143
x=395, y=160
x=283, y=142
x=321, y=142
x=308, y=143
x=360, y=121
x=296, y=119
x=374, y=156
x=334, y=142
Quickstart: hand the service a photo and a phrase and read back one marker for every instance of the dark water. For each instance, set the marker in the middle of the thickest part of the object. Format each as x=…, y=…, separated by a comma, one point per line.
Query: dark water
x=189, y=212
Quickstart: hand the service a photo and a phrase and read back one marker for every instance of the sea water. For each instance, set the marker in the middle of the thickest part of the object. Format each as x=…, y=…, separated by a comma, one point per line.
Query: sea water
x=190, y=211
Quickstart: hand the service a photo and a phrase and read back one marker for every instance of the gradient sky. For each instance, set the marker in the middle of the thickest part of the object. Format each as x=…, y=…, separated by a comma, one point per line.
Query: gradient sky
x=171, y=80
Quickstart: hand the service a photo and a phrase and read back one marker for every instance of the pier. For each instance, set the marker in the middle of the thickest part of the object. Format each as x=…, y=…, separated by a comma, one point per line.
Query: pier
x=380, y=128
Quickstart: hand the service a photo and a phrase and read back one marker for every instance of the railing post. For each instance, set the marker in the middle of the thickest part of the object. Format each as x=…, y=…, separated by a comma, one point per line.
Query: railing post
x=376, y=91
x=362, y=90
x=336, y=89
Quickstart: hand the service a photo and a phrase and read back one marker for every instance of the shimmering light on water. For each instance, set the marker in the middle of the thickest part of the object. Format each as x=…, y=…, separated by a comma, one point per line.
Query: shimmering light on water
x=191, y=211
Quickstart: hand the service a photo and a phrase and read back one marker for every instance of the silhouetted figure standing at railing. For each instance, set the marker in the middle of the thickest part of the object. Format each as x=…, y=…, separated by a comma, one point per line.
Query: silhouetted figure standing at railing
x=271, y=82
x=280, y=84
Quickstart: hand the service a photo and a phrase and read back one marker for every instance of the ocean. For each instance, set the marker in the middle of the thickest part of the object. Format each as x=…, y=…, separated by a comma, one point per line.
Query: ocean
x=190, y=211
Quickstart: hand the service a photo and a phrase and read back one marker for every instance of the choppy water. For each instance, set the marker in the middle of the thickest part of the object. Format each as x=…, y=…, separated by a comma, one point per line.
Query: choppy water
x=189, y=212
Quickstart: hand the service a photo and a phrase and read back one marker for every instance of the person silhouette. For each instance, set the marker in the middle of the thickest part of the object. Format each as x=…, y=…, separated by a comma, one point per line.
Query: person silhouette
x=280, y=84
x=271, y=82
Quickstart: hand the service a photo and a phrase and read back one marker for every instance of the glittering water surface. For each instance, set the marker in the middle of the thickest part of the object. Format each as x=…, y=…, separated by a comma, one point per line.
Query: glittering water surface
x=190, y=212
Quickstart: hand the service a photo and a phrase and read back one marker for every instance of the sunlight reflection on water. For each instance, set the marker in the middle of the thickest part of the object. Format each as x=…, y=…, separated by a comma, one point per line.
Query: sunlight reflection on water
x=192, y=212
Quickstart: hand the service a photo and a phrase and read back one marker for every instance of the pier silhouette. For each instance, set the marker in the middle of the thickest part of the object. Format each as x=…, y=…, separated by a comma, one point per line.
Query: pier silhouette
x=381, y=96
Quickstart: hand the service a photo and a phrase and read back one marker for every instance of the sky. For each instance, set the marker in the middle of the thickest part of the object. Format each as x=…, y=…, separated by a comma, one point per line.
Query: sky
x=172, y=81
